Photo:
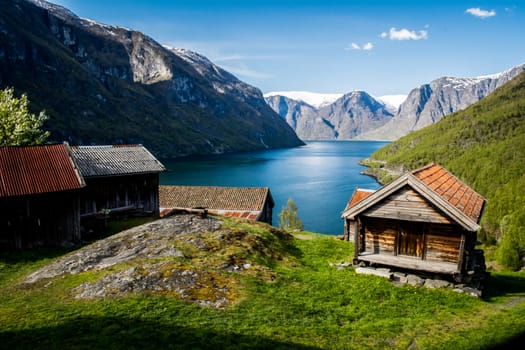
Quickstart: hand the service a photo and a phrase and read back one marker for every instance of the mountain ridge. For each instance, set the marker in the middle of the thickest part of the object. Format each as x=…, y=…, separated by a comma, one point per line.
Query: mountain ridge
x=423, y=106
x=102, y=84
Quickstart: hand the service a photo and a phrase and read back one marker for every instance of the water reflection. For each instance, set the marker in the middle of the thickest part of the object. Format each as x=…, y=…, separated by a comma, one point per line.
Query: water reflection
x=320, y=177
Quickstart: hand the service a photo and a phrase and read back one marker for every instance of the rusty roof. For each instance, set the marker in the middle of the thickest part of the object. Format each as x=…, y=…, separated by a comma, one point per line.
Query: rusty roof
x=37, y=169
x=452, y=190
x=99, y=161
x=227, y=199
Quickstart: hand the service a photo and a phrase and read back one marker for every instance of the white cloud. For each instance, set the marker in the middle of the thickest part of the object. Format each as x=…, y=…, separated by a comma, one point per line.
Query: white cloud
x=405, y=34
x=477, y=12
x=366, y=47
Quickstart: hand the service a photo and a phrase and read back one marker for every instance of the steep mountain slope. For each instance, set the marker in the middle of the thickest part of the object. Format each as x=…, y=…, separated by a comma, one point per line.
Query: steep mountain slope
x=345, y=118
x=102, y=84
x=484, y=145
x=429, y=103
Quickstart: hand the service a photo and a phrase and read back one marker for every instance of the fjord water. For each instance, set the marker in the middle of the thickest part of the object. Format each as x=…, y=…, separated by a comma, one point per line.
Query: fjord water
x=320, y=177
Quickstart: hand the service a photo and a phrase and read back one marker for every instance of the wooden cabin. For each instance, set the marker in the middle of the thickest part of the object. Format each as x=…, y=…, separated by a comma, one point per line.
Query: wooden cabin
x=426, y=220
x=39, y=196
x=119, y=180
x=252, y=203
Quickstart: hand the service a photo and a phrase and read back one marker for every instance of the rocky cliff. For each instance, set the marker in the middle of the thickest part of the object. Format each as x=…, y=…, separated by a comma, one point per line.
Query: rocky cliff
x=429, y=103
x=102, y=84
x=358, y=115
x=344, y=119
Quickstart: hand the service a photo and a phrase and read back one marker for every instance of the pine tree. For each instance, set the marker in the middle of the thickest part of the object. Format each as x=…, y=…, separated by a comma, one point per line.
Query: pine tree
x=19, y=127
x=288, y=219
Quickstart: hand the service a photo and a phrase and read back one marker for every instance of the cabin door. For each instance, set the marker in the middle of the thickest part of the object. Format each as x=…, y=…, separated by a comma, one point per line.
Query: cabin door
x=410, y=240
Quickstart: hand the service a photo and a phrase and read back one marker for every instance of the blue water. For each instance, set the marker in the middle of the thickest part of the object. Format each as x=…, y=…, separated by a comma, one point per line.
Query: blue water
x=320, y=177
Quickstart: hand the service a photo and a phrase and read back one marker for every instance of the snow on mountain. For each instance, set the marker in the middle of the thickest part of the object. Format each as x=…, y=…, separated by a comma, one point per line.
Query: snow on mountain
x=392, y=100
x=314, y=99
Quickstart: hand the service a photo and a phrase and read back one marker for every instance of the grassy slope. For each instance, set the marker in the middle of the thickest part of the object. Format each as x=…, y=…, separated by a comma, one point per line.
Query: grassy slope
x=309, y=305
x=483, y=145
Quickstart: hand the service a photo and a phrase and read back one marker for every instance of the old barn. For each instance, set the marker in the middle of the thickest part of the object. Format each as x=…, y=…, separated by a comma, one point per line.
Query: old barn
x=119, y=179
x=39, y=196
x=426, y=220
x=252, y=203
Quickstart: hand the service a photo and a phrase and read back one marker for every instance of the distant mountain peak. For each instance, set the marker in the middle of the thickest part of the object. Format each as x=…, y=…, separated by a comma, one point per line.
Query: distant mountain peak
x=314, y=99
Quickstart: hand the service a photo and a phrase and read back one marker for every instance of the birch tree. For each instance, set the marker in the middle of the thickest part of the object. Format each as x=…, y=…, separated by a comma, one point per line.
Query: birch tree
x=19, y=127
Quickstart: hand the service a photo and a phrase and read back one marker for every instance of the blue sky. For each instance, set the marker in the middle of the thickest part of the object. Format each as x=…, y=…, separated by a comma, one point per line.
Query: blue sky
x=382, y=47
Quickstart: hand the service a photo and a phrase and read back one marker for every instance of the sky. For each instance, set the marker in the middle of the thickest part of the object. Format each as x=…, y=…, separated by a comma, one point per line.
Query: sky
x=381, y=47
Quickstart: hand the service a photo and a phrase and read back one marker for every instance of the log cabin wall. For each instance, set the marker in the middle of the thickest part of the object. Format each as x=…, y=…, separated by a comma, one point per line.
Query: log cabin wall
x=379, y=236
x=406, y=204
x=426, y=241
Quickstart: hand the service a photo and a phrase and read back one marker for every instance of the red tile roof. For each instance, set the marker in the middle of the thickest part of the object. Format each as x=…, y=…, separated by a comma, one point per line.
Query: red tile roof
x=441, y=185
x=244, y=199
x=359, y=195
x=37, y=169
x=452, y=190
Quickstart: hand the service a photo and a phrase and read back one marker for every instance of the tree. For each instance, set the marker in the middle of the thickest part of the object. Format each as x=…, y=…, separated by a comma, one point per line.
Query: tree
x=19, y=127
x=288, y=219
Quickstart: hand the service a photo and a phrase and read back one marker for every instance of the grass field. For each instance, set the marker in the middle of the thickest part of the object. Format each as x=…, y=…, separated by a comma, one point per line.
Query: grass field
x=308, y=305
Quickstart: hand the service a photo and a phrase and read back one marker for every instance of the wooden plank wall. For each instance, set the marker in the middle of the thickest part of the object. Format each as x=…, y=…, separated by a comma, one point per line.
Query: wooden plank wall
x=443, y=243
x=440, y=242
x=380, y=236
x=407, y=204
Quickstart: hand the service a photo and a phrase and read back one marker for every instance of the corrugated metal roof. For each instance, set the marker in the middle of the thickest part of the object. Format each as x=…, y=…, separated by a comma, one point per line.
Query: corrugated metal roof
x=95, y=161
x=37, y=169
x=452, y=190
x=215, y=198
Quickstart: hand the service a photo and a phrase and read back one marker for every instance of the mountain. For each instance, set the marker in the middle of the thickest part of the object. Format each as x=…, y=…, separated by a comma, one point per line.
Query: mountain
x=343, y=119
x=397, y=115
x=483, y=145
x=314, y=99
x=102, y=84
x=429, y=103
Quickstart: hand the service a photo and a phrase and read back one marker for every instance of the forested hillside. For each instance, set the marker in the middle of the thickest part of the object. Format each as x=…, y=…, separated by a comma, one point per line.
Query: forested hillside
x=483, y=145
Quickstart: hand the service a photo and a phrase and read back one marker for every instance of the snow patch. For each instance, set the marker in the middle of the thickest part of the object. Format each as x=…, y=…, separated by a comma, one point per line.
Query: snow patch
x=392, y=100
x=314, y=99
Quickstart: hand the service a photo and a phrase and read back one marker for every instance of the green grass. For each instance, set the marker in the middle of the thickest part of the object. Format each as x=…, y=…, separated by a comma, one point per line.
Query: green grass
x=308, y=305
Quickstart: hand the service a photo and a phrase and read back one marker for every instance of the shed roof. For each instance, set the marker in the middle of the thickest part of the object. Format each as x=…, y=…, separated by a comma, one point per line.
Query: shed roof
x=101, y=161
x=30, y=170
x=436, y=184
x=452, y=190
x=246, y=202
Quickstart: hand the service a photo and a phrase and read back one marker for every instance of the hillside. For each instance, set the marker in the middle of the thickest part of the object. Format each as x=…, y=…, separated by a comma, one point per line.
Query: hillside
x=484, y=145
x=189, y=282
x=102, y=84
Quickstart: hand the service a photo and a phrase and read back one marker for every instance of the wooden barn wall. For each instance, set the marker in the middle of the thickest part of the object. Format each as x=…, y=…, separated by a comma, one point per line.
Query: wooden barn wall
x=380, y=236
x=435, y=242
x=407, y=204
x=443, y=243
x=139, y=193
x=44, y=219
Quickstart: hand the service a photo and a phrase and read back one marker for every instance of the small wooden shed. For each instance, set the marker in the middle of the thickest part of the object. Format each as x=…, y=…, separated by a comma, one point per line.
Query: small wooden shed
x=252, y=203
x=119, y=179
x=39, y=196
x=426, y=220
